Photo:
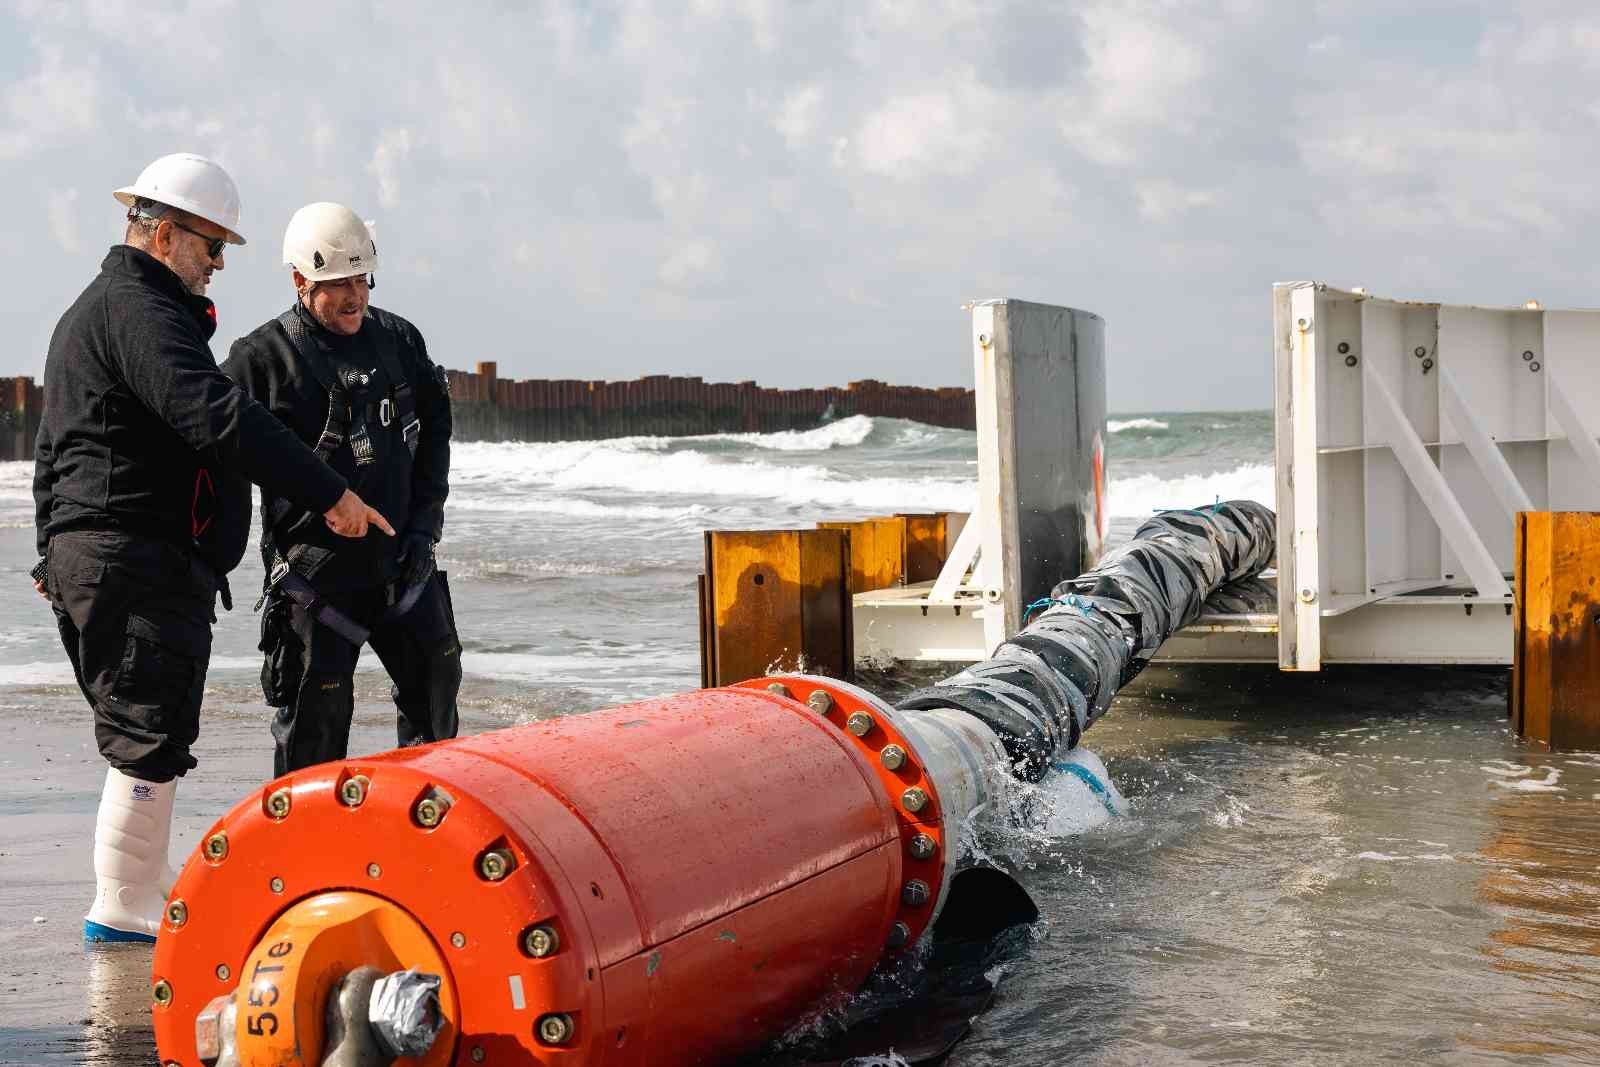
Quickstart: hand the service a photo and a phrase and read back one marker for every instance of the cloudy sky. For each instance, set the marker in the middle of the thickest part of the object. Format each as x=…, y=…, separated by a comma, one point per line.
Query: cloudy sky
x=805, y=193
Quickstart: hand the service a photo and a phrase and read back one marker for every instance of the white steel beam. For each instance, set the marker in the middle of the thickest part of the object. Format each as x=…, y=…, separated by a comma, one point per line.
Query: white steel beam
x=954, y=572
x=1581, y=440
x=1490, y=460
x=987, y=516
x=1436, y=496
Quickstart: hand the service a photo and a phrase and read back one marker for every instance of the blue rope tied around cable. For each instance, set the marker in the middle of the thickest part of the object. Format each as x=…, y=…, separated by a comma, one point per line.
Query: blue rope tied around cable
x=1087, y=777
x=1053, y=679
x=1069, y=601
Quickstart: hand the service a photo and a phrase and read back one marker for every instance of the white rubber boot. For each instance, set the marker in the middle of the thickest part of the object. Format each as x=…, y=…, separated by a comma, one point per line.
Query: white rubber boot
x=131, y=837
x=169, y=876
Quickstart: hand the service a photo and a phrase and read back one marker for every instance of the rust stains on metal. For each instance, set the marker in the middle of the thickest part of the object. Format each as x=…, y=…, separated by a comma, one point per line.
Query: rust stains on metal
x=1555, y=682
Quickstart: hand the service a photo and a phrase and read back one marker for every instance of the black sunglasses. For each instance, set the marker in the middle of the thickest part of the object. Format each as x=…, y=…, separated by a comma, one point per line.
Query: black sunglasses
x=214, y=245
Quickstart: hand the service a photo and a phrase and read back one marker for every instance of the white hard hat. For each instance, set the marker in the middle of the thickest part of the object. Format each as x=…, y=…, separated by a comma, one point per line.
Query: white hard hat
x=327, y=241
x=192, y=183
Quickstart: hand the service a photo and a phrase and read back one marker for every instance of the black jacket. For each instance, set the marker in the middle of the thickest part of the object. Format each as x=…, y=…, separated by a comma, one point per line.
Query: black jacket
x=409, y=492
x=142, y=432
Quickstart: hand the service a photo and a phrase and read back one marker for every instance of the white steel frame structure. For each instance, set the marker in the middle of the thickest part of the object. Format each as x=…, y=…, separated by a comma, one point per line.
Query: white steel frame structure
x=1408, y=436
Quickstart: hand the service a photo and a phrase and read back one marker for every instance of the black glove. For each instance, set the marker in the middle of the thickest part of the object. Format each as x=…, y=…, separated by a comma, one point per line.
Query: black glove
x=416, y=558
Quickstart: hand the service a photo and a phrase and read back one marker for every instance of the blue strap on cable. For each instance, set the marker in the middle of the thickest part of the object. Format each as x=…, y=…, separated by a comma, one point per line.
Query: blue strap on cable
x=1070, y=600
x=1096, y=786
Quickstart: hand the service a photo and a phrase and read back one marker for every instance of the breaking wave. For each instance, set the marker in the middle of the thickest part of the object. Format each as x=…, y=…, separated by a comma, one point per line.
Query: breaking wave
x=1121, y=425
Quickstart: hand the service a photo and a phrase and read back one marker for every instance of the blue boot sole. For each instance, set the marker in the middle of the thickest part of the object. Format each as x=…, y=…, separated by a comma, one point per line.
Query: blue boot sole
x=97, y=934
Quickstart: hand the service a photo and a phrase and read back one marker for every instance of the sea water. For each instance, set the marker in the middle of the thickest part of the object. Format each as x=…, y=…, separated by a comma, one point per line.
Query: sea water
x=1358, y=866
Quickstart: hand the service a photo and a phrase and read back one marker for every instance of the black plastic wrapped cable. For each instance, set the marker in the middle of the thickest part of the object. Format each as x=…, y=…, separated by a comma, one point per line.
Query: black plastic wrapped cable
x=1047, y=684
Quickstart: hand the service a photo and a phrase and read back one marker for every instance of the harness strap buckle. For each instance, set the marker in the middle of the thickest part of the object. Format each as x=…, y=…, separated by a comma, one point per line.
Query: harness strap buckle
x=386, y=412
x=280, y=571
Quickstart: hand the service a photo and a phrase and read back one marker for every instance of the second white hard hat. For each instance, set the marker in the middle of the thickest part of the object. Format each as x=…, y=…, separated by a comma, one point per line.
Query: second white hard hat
x=191, y=183
x=327, y=241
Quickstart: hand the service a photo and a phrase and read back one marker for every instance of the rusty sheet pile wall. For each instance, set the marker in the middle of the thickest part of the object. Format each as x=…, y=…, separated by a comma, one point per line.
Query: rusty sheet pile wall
x=490, y=408
x=21, y=401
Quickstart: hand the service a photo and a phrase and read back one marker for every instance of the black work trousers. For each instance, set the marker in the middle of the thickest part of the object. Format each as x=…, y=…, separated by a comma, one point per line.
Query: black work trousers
x=308, y=671
x=135, y=617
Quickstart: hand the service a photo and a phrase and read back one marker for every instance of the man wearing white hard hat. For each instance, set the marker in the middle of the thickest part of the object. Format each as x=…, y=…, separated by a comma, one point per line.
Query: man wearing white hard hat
x=356, y=382
x=142, y=508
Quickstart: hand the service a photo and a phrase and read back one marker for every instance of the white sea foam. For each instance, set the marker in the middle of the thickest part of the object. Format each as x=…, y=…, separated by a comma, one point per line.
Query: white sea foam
x=575, y=507
x=498, y=473
x=845, y=433
x=646, y=669
x=56, y=672
x=1143, y=494
x=1548, y=784
x=16, y=478
x=1122, y=425
x=550, y=478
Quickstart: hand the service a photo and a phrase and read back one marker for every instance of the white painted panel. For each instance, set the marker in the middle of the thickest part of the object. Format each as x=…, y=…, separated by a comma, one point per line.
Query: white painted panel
x=1338, y=384
x=1386, y=523
x=1573, y=486
x=1419, y=392
x=1527, y=387
x=1402, y=540
x=1397, y=632
x=1421, y=466
x=1530, y=463
x=1392, y=335
x=1341, y=523
x=1482, y=507
x=1571, y=356
x=1483, y=349
x=1485, y=451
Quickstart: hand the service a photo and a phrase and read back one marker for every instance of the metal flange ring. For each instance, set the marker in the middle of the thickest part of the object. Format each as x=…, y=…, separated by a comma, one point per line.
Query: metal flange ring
x=871, y=726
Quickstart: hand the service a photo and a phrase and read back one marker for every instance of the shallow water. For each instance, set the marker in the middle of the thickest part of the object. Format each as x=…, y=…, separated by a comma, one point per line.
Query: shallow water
x=1352, y=867
x=1361, y=867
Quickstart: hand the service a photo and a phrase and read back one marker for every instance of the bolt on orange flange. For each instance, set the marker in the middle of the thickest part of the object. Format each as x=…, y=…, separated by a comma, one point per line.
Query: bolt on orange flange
x=873, y=728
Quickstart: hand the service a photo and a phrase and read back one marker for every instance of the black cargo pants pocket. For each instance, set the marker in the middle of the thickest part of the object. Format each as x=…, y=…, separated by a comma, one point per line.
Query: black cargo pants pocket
x=283, y=650
x=161, y=679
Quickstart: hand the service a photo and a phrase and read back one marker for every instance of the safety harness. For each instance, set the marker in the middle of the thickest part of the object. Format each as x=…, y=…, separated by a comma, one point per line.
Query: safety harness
x=349, y=412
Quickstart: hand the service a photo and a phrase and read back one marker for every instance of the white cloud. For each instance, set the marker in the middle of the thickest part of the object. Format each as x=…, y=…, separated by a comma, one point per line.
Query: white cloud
x=1161, y=200
x=944, y=131
x=694, y=264
x=61, y=208
x=56, y=104
x=1142, y=78
x=797, y=119
x=832, y=179
x=394, y=146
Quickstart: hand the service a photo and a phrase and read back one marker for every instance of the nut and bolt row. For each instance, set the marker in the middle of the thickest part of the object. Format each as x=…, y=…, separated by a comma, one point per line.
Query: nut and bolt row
x=428, y=812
